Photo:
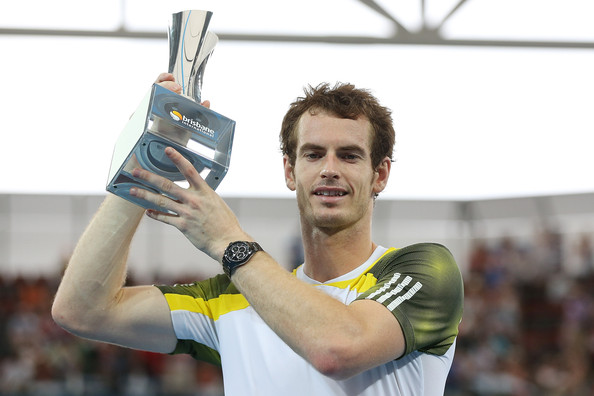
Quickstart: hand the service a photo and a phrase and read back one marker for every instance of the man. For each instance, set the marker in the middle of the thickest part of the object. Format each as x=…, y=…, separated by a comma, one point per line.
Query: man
x=354, y=319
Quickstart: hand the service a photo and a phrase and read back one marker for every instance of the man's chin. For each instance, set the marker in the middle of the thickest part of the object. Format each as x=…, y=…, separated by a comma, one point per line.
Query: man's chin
x=329, y=219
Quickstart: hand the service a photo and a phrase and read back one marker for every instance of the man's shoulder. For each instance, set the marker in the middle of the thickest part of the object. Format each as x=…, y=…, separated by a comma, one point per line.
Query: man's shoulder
x=425, y=247
x=425, y=254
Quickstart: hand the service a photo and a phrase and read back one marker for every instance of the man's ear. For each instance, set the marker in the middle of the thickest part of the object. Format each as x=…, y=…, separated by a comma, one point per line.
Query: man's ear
x=382, y=173
x=289, y=174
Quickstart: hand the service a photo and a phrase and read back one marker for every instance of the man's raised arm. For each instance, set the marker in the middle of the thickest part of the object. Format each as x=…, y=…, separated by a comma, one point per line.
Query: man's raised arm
x=91, y=301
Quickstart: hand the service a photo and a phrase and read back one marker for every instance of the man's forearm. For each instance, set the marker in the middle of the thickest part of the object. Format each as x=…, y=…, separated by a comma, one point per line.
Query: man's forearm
x=309, y=321
x=97, y=268
x=338, y=340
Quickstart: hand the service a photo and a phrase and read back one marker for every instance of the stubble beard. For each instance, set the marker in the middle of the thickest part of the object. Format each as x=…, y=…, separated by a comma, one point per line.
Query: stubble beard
x=329, y=219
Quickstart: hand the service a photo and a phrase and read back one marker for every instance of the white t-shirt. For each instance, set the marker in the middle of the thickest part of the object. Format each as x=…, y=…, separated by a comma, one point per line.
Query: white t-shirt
x=214, y=322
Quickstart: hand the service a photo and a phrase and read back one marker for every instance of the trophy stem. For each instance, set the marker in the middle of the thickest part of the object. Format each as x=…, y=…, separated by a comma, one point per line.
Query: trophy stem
x=190, y=46
x=181, y=54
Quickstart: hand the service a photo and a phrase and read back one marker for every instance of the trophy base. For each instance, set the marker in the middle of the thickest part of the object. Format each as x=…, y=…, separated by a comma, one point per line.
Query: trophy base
x=165, y=119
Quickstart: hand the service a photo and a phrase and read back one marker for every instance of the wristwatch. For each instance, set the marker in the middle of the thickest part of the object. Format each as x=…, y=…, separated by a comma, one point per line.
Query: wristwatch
x=237, y=254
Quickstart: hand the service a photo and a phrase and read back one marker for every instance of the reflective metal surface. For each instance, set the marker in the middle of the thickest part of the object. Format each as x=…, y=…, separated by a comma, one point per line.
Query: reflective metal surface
x=165, y=119
x=190, y=46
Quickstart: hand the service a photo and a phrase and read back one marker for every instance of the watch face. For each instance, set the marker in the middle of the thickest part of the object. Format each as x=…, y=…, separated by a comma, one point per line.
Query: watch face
x=238, y=252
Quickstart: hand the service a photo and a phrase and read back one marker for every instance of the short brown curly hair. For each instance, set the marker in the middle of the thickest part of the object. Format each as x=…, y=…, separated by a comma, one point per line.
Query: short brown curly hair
x=346, y=101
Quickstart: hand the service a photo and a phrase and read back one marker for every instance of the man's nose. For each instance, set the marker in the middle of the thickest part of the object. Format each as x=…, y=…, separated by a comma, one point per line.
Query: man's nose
x=330, y=168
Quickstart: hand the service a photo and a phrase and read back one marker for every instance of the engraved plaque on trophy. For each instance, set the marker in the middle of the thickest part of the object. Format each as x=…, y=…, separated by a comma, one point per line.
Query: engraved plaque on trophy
x=166, y=119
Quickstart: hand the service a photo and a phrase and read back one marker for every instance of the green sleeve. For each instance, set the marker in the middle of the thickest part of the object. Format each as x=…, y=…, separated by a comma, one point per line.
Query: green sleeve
x=207, y=289
x=422, y=286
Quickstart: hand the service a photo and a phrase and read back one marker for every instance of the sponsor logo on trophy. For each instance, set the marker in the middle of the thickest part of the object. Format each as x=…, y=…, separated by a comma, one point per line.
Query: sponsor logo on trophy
x=165, y=119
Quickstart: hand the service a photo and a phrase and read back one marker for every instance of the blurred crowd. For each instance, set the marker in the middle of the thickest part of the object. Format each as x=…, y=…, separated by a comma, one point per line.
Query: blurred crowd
x=527, y=325
x=38, y=358
x=527, y=330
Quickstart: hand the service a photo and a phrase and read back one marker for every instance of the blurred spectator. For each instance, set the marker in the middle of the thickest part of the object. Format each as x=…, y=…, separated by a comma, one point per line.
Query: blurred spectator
x=581, y=257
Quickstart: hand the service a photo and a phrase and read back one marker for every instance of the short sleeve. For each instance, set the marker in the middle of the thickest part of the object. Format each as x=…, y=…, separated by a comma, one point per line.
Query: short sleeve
x=192, y=315
x=422, y=286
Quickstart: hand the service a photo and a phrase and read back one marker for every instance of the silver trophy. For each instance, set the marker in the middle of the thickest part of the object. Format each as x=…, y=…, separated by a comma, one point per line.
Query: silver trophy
x=165, y=119
x=190, y=46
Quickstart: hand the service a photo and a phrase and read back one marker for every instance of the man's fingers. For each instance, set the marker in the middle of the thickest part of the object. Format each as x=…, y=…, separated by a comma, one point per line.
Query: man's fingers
x=175, y=196
x=162, y=183
x=186, y=168
x=158, y=199
x=172, y=86
x=164, y=77
x=163, y=217
x=166, y=80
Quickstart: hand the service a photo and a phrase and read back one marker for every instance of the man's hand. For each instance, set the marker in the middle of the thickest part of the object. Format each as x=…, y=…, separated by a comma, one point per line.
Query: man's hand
x=166, y=80
x=201, y=215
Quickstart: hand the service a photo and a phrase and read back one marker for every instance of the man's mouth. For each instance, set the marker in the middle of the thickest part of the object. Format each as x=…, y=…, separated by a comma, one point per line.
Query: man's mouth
x=330, y=193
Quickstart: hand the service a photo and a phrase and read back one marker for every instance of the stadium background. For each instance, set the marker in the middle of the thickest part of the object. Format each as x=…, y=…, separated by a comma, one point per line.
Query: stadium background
x=492, y=104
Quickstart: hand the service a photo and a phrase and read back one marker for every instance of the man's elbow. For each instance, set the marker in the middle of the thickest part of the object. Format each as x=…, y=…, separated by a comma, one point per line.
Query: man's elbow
x=62, y=316
x=70, y=319
x=334, y=364
x=344, y=359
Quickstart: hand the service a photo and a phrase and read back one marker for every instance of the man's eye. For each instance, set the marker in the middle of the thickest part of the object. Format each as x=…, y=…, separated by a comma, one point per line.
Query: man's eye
x=350, y=157
x=311, y=155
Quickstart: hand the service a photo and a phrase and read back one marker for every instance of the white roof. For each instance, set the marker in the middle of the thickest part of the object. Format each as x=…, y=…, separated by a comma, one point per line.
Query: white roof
x=491, y=98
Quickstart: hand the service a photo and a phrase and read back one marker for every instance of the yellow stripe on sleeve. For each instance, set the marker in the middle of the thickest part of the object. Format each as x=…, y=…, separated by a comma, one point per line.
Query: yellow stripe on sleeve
x=212, y=308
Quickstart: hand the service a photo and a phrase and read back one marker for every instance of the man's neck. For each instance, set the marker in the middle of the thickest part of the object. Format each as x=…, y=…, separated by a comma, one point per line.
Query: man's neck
x=329, y=255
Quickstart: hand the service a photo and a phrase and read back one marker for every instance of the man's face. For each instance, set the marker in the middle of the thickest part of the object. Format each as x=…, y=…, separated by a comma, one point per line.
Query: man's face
x=333, y=175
